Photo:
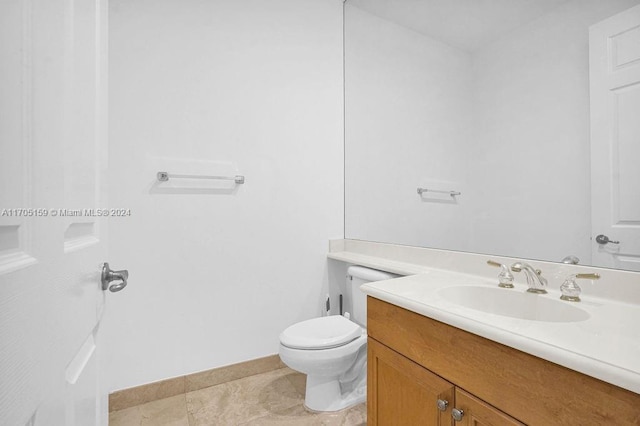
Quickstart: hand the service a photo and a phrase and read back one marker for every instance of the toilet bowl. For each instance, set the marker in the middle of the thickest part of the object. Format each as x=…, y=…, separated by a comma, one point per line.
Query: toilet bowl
x=332, y=351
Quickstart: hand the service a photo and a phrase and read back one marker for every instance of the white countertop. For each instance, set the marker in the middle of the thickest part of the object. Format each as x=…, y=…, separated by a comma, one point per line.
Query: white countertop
x=606, y=345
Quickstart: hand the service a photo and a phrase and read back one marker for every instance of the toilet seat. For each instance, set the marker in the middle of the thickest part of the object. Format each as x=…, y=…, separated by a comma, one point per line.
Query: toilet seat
x=321, y=333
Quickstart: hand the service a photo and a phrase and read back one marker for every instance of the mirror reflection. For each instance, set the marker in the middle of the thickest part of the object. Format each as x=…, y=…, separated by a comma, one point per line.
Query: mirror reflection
x=498, y=127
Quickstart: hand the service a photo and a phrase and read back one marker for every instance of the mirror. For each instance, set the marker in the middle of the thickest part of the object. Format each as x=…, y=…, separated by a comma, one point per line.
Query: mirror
x=484, y=106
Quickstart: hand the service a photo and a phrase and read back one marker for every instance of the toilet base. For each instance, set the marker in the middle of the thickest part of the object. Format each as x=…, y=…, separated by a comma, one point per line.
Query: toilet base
x=325, y=394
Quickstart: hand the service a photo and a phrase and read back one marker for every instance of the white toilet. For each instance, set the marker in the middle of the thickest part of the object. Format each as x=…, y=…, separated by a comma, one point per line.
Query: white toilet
x=332, y=351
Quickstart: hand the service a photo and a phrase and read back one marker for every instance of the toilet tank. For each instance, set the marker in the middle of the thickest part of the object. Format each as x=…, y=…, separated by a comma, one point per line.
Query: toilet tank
x=356, y=276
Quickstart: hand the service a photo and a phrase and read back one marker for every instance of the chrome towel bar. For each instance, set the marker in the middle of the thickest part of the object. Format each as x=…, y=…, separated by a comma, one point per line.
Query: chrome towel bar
x=164, y=176
x=452, y=193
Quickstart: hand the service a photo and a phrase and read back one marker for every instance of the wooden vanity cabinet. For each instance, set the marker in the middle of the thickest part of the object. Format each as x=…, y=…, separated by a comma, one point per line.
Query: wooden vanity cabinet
x=414, y=361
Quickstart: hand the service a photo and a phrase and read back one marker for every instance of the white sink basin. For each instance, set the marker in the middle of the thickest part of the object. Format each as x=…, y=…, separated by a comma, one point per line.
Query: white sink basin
x=513, y=303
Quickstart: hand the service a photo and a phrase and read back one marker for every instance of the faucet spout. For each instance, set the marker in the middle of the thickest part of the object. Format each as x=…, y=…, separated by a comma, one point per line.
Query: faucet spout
x=536, y=282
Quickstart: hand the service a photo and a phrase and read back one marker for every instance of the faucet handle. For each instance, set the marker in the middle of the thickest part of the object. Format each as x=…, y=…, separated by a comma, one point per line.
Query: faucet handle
x=593, y=276
x=505, y=278
x=570, y=288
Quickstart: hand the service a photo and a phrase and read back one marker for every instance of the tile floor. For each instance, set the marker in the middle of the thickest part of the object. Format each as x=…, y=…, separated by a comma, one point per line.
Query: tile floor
x=272, y=398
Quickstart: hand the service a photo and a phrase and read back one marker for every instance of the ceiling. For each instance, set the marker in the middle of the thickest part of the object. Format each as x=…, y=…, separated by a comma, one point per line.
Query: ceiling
x=465, y=24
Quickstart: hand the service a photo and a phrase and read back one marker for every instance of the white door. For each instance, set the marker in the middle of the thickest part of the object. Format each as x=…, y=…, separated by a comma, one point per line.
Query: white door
x=615, y=140
x=52, y=167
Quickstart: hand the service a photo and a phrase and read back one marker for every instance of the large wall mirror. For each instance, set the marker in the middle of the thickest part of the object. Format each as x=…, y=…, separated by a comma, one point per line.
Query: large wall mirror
x=469, y=126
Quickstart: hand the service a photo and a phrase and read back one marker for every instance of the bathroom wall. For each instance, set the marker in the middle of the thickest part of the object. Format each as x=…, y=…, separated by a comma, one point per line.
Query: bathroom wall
x=216, y=275
x=408, y=108
x=531, y=150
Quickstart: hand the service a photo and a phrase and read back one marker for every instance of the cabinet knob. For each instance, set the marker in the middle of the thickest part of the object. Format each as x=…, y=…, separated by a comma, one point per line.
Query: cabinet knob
x=457, y=414
x=442, y=404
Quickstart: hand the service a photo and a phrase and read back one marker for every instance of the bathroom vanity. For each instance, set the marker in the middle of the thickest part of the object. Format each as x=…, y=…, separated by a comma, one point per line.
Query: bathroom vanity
x=421, y=370
x=447, y=346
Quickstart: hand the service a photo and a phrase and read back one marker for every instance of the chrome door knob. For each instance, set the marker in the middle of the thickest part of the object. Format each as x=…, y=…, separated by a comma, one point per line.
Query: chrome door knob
x=603, y=239
x=442, y=404
x=108, y=276
x=457, y=414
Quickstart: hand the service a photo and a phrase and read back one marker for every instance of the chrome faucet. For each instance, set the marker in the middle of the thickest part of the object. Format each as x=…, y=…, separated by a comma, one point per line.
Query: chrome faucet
x=536, y=282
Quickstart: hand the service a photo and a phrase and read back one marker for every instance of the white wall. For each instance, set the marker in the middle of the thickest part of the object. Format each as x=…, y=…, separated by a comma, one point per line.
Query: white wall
x=531, y=151
x=216, y=276
x=408, y=105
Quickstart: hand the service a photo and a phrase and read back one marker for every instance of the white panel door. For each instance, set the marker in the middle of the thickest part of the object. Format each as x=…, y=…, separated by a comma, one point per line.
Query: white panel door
x=615, y=140
x=52, y=173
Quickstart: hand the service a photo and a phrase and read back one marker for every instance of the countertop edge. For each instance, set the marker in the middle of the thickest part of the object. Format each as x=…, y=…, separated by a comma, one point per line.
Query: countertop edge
x=598, y=369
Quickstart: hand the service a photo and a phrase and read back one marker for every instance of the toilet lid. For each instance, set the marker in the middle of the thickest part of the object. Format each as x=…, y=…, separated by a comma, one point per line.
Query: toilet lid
x=321, y=333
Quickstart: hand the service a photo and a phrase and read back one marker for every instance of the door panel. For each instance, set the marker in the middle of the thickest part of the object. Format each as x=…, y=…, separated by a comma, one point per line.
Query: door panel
x=479, y=413
x=615, y=139
x=401, y=392
x=15, y=115
x=53, y=141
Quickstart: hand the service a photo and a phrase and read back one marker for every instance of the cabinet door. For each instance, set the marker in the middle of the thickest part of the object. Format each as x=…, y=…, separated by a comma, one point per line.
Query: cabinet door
x=479, y=413
x=401, y=392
